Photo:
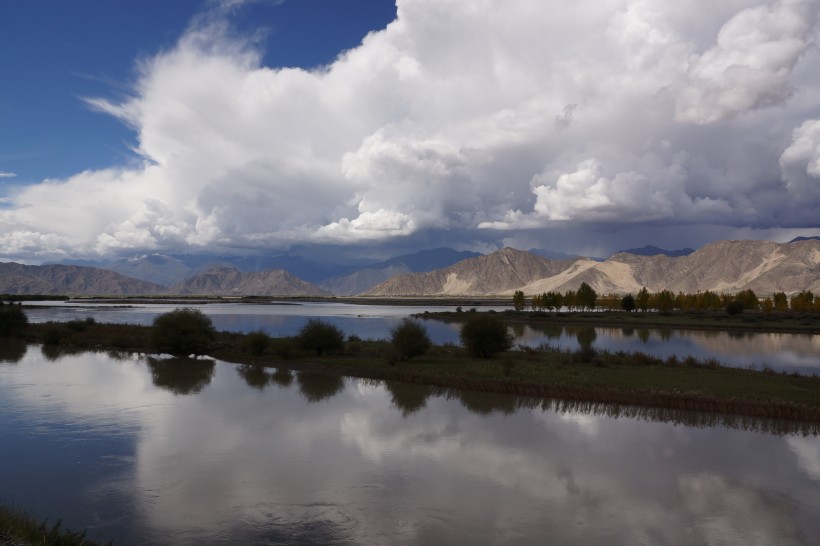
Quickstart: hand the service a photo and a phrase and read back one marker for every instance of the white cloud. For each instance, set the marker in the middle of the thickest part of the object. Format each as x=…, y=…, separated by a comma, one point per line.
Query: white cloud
x=800, y=163
x=5, y=174
x=503, y=115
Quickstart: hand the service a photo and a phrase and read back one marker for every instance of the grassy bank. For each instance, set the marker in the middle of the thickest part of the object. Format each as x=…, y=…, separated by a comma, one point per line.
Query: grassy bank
x=620, y=378
x=18, y=527
x=786, y=322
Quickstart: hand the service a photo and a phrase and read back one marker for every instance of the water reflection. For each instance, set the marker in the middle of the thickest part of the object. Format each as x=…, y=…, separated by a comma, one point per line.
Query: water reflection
x=282, y=377
x=408, y=398
x=793, y=352
x=181, y=375
x=102, y=444
x=318, y=386
x=11, y=350
x=256, y=377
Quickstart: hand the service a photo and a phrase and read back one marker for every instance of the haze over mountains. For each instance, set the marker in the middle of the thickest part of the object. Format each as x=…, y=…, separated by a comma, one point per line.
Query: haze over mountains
x=724, y=266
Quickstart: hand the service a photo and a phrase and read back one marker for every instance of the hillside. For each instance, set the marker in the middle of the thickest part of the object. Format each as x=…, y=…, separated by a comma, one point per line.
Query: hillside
x=70, y=280
x=224, y=281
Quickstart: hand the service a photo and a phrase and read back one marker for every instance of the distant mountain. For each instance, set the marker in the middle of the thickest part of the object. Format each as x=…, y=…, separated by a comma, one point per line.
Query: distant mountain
x=496, y=273
x=229, y=281
x=361, y=280
x=428, y=260
x=156, y=268
x=70, y=280
x=725, y=266
x=555, y=255
x=796, y=239
x=365, y=278
x=650, y=250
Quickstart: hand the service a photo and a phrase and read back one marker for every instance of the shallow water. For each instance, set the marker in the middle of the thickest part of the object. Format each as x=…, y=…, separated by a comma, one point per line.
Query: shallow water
x=169, y=452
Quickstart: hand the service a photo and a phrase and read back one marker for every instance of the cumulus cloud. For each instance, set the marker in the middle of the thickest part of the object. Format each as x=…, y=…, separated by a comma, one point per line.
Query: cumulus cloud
x=458, y=117
x=800, y=163
x=751, y=63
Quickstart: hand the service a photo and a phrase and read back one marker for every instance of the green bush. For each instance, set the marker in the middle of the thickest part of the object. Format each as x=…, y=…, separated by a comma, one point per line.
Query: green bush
x=321, y=337
x=256, y=343
x=182, y=332
x=410, y=339
x=12, y=319
x=485, y=335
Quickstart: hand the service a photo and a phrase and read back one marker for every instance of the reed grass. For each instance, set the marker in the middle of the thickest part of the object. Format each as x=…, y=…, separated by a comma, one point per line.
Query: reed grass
x=19, y=527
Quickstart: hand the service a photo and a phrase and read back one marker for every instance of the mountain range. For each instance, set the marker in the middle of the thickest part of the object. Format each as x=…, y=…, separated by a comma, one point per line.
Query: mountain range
x=724, y=266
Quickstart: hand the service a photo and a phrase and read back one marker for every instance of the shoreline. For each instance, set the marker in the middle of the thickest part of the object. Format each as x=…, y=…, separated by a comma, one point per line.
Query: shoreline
x=757, y=322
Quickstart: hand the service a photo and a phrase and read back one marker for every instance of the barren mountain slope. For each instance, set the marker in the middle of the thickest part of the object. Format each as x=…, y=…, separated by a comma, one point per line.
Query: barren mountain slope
x=71, y=280
x=728, y=266
x=496, y=273
x=799, y=269
x=231, y=281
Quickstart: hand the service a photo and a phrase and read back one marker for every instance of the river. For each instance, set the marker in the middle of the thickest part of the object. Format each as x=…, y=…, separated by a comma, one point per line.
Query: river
x=204, y=452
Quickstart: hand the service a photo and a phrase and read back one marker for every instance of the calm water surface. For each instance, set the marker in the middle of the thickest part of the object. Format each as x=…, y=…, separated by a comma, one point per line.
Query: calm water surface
x=204, y=452
x=793, y=352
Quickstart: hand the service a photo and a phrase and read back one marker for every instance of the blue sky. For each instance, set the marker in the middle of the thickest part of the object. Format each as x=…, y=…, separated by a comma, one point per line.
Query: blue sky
x=55, y=52
x=370, y=128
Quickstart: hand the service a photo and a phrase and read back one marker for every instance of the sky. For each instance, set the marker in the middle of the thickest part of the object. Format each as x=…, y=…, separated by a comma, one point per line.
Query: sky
x=368, y=128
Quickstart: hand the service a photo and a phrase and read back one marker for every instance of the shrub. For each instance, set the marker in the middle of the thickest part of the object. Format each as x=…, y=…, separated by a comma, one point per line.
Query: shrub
x=256, y=343
x=77, y=325
x=322, y=337
x=282, y=347
x=182, y=332
x=12, y=319
x=484, y=335
x=410, y=339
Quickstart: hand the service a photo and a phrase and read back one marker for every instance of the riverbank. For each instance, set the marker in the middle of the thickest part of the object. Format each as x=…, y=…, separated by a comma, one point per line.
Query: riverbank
x=587, y=375
x=758, y=322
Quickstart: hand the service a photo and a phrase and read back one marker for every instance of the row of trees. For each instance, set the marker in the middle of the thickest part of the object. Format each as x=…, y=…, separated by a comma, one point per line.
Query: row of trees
x=184, y=332
x=585, y=298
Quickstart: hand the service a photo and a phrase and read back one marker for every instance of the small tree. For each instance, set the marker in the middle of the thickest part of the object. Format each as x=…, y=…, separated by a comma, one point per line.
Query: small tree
x=410, y=339
x=628, y=303
x=182, y=332
x=642, y=301
x=586, y=296
x=322, y=337
x=518, y=300
x=484, y=335
x=748, y=299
